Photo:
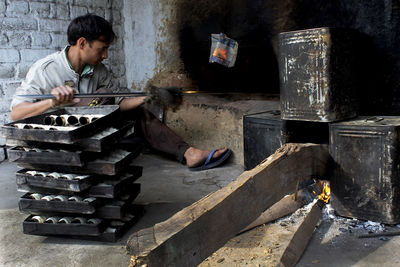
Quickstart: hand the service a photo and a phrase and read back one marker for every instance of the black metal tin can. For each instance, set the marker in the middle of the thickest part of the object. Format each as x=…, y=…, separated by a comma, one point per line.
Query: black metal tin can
x=265, y=132
x=365, y=178
x=317, y=78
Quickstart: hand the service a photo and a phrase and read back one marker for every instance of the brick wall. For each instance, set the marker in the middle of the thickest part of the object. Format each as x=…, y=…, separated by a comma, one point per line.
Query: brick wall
x=30, y=30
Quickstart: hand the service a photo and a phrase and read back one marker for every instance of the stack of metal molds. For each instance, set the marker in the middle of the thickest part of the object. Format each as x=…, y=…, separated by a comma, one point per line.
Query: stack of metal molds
x=78, y=183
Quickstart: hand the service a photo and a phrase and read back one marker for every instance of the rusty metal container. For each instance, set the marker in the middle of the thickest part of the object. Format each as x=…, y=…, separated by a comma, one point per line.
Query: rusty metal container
x=365, y=179
x=317, y=81
x=265, y=132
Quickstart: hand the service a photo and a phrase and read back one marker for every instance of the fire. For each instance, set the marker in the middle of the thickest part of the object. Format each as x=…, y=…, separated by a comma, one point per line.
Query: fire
x=326, y=192
x=220, y=53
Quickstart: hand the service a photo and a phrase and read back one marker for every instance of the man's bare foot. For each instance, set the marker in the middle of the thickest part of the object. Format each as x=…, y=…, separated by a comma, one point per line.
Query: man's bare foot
x=196, y=157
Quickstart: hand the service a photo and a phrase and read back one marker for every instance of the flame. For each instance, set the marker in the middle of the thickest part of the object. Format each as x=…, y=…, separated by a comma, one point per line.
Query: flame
x=220, y=53
x=326, y=192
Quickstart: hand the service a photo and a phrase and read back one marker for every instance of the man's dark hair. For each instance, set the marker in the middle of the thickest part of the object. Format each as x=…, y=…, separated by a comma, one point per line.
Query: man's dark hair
x=91, y=27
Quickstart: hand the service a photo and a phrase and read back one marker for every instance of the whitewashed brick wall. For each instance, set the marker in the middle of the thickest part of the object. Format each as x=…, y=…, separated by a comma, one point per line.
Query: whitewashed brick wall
x=30, y=30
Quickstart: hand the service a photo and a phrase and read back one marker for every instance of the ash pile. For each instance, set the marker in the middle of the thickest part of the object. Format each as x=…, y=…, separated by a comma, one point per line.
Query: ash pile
x=78, y=182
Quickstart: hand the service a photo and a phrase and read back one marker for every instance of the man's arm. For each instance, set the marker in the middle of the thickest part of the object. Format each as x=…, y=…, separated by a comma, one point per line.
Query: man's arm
x=64, y=95
x=28, y=109
x=131, y=103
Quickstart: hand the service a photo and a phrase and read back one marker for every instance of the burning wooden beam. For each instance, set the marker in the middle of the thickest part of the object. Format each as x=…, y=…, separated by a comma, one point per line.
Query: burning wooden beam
x=283, y=207
x=302, y=236
x=195, y=232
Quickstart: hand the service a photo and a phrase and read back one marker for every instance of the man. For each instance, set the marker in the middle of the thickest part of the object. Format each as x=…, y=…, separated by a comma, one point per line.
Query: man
x=78, y=68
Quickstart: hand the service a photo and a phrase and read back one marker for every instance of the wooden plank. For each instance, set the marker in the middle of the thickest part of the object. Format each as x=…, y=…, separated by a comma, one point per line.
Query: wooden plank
x=195, y=232
x=283, y=207
x=299, y=242
x=264, y=245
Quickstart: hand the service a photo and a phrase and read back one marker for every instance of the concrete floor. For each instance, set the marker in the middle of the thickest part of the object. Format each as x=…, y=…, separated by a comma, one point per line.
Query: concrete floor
x=167, y=187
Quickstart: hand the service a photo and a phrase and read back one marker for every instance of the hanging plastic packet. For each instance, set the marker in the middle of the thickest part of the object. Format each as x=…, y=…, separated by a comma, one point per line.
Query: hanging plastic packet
x=223, y=50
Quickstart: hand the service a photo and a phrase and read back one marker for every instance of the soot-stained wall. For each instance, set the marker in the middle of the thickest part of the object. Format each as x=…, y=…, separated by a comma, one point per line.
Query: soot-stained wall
x=255, y=24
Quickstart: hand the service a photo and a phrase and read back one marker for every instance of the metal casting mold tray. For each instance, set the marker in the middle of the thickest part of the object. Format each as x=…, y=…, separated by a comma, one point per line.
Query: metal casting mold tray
x=33, y=206
x=117, y=209
x=110, y=113
x=51, y=157
x=74, y=229
x=105, y=165
x=99, y=142
x=74, y=185
x=113, y=188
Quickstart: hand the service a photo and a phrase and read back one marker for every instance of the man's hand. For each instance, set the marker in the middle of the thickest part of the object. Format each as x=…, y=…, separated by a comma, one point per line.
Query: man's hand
x=132, y=103
x=64, y=95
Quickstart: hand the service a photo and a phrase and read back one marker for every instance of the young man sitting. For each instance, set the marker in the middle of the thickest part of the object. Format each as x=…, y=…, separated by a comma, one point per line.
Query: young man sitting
x=78, y=68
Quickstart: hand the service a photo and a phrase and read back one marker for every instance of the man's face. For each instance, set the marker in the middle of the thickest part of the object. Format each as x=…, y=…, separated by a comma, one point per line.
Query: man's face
x=95, y=52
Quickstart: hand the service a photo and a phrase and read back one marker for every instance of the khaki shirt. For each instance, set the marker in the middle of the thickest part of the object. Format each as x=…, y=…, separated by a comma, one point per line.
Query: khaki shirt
x=54, y=70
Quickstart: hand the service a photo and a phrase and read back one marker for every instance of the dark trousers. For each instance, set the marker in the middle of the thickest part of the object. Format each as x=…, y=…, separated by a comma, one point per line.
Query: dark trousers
x=156, y=134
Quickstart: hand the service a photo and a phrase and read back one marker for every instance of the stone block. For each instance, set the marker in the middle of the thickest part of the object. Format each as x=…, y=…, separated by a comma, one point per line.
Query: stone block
x=117, y=4
x=62, y=11
x=7, y=70
x=122, y=83
x=16, y=8
x=3, y=39
x=77, y=11
x=117, y=19
x=118, y=70
x=7, y=94
x=16, y=24
x=59, y=41
x=9, y=55
x=90, y=3
x=98, y=11
x=107, y=14
x=2, y=8
x=118, y=43
x=41, y=39
x=32, y=55
x=42, y=10
x=22, y=69
x=19, y=39
x=51, y=25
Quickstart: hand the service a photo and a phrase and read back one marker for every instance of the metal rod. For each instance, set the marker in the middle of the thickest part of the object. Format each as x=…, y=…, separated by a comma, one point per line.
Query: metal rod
x=393, y=233
x=49, y=96
x=130, y=94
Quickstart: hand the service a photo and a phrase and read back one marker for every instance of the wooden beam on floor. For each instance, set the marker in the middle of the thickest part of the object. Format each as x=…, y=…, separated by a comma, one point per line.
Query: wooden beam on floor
x=192, y=234
x=287, y=205
x=302, y=237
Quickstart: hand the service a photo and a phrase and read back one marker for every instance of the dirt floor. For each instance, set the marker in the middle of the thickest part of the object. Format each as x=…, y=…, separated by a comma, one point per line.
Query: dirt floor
x=335, y=242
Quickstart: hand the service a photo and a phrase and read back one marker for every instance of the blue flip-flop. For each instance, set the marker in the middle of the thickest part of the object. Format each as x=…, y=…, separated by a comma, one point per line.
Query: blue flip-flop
x=211, y=163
